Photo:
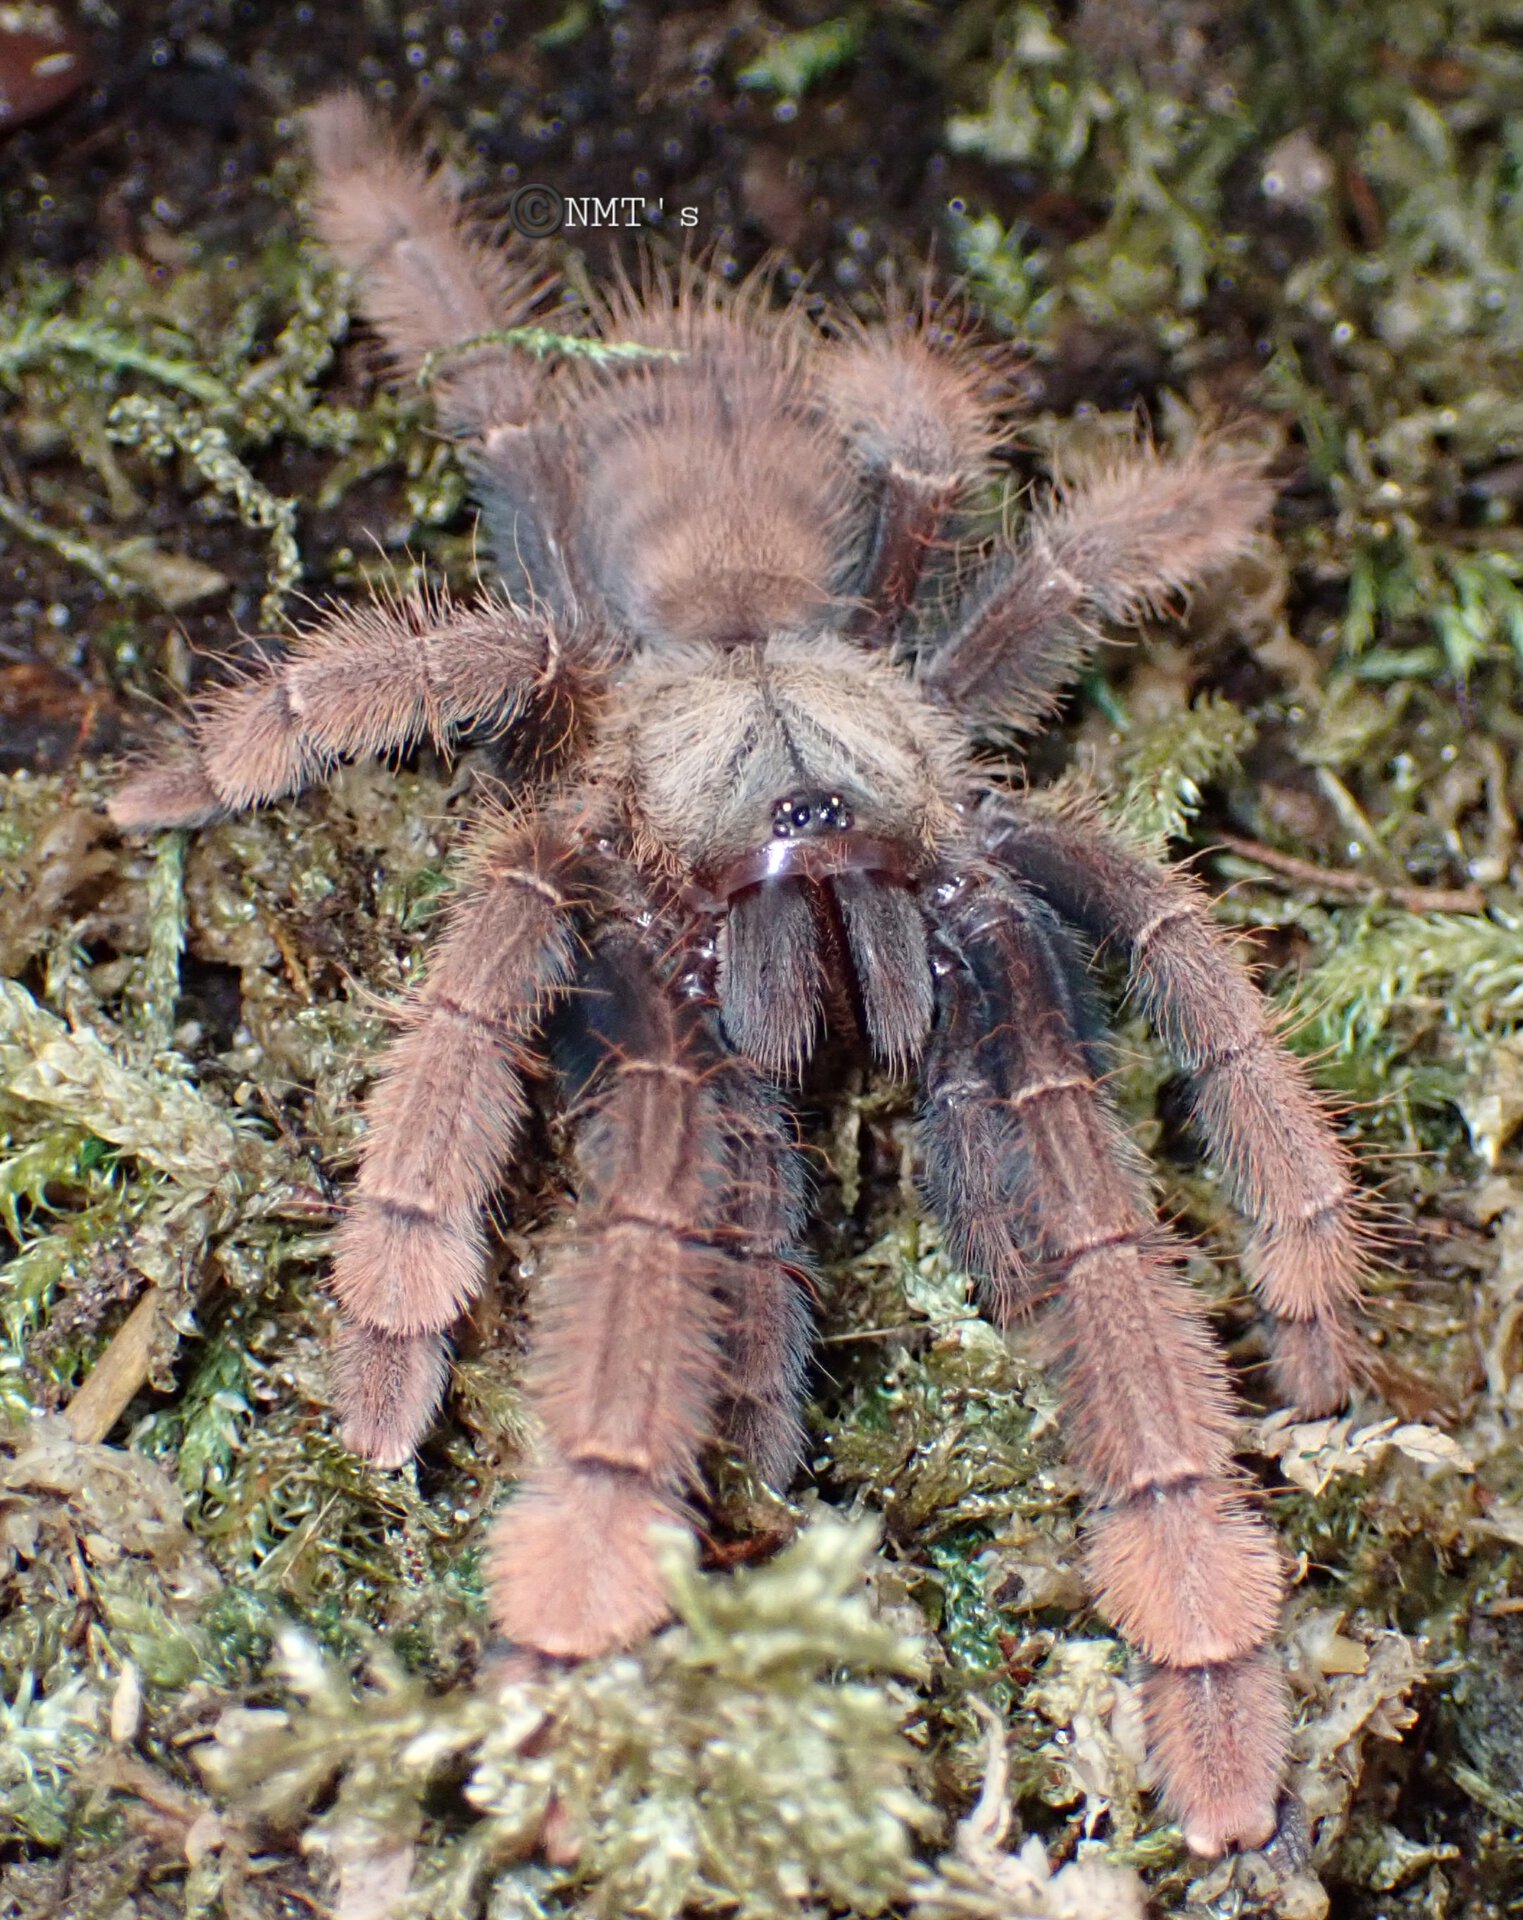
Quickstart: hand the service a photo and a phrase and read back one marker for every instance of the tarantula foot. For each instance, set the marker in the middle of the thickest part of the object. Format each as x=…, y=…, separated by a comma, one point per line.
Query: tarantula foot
x=386, y=1387
x=1313, y=1364
x=571, y=1566
x=1218, y=1736
x=177, y=794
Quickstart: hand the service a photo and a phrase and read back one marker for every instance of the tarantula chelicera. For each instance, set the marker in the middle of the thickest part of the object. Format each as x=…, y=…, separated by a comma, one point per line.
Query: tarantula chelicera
x=721, y=610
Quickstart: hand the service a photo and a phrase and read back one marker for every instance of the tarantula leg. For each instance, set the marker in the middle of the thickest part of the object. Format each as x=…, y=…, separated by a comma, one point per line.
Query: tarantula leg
x=629, y=1367
x=374, y=678
x=919, y=425
x=427, y=283
x=971, y=1148
x=1178, y=1560
x=1284, y=1168
x=1123, y=543
x=438, y=294
x=768, y=1325
x=443, y=1117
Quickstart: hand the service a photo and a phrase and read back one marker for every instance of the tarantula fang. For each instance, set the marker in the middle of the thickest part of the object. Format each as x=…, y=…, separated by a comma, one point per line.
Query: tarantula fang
x=726, y=603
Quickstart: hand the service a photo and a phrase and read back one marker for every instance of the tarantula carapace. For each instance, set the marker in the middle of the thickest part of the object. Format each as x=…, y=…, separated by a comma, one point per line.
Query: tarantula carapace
x=721, y=610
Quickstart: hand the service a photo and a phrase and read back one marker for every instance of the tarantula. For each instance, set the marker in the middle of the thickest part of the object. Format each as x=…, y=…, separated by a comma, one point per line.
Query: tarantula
x=720, y=608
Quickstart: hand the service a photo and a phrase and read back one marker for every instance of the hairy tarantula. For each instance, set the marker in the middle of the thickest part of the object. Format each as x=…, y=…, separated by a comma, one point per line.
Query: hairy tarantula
x=719, y=604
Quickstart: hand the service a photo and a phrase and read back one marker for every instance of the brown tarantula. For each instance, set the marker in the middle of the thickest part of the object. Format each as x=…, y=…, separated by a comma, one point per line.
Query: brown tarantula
x=720, y=605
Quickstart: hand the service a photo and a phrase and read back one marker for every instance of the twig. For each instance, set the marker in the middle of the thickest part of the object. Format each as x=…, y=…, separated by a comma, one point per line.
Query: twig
x=543, y=343
x=1344, y=885
x=117, y=1374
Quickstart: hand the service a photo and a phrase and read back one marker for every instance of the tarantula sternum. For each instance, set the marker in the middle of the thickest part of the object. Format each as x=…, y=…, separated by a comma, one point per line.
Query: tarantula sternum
x=756, y=808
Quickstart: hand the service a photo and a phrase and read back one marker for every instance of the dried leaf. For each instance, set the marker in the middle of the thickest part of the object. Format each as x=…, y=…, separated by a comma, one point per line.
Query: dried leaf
x=1313, y=1453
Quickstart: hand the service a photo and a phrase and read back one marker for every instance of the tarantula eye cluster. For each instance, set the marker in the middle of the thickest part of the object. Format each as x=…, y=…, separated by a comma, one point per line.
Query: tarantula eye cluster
x=796, y=815
x=720, y=574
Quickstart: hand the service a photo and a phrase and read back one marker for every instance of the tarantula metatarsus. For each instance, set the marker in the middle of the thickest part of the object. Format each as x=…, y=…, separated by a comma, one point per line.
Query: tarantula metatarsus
x=721, y=607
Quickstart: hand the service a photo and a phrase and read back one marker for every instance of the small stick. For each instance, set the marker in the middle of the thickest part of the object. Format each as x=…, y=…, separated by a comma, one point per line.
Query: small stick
x=1343, y=884
x=117, y=1375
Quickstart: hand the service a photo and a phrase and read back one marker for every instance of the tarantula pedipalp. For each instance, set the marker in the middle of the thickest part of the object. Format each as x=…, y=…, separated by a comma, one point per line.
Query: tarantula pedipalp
x=757, y=809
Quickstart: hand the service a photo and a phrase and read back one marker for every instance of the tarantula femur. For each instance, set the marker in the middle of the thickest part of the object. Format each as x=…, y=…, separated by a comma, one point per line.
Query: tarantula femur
x=719, y=603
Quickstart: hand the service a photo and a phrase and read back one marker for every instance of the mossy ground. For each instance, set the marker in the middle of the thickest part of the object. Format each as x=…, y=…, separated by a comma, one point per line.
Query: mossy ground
x=1312, y=213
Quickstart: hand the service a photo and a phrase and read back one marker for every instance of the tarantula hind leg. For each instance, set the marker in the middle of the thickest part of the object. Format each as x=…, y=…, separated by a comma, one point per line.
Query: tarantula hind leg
x=1284, y=1168
x=1176, y=1557
x=441, y=294
x=666, y=1312
x=918, y=421
x=768, y=1324
x=1129, y=539
x=375, y=678
x=442, y=1120
x=428, y=281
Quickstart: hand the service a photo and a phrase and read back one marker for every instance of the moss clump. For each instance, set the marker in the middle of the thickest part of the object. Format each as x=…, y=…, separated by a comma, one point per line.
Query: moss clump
x=749, y=1760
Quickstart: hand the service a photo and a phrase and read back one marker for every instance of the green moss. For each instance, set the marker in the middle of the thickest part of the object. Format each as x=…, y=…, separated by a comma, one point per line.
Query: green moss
x=794, y=62
x=1165, y=765
x=749, y=1760
x=42, y=1742
x=206, y=369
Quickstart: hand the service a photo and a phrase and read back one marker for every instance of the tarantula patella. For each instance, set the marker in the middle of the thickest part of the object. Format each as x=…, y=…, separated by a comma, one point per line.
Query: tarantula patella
x=720, y=609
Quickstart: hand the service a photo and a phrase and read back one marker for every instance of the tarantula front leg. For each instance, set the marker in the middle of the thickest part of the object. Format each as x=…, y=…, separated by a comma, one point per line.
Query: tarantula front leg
x=442, y=1119
x=370, y=679
x=1283, y=1166
x=1127, y=540
x=1178, y=1560
x=661, y=1299
x=768, y=1323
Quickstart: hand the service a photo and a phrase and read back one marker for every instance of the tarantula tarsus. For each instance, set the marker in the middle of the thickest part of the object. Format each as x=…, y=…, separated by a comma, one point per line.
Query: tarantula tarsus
x=719, y=604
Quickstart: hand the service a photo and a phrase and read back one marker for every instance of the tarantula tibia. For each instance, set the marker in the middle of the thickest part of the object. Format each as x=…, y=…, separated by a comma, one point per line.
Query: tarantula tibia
x=722, y=613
